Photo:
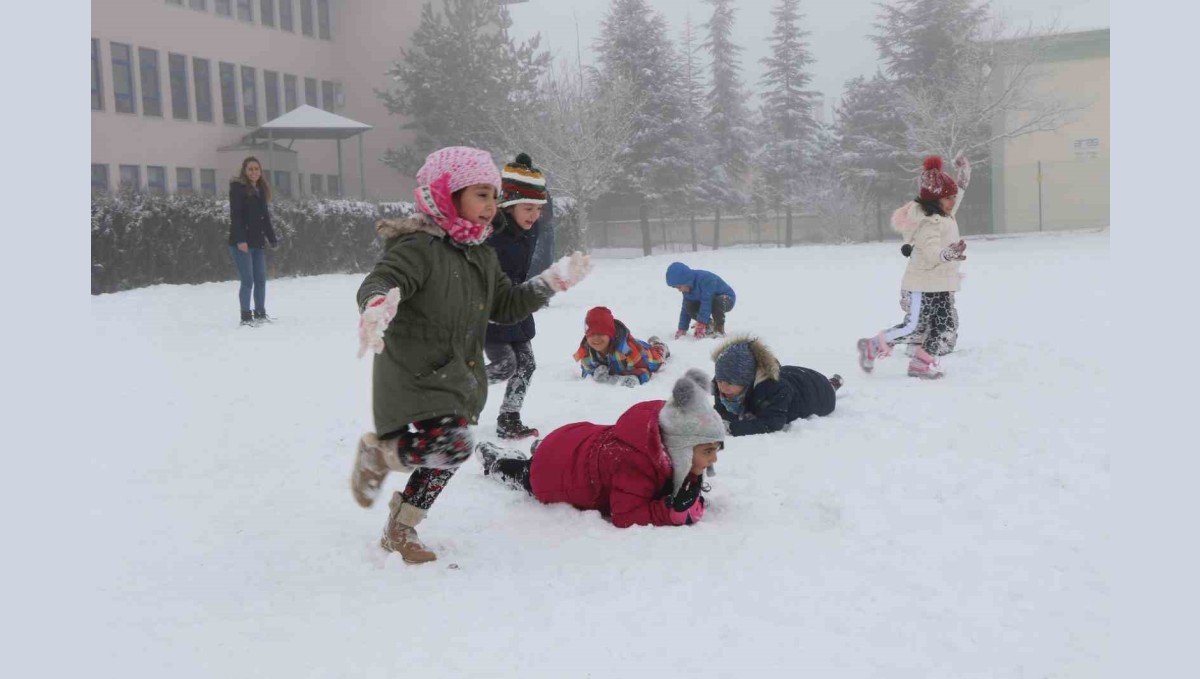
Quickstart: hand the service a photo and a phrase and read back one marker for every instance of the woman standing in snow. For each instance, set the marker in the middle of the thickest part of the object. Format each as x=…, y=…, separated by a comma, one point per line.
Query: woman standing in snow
x=756, y=395
x=647, y=469
x=935, y=251
x=425, y=309
x=509, y=346
x=249, y=231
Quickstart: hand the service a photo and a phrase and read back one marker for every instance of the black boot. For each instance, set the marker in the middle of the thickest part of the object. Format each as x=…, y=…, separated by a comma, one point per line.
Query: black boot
x=247, y=319
x=261, y=316
x=836, y=382
x=510, y=428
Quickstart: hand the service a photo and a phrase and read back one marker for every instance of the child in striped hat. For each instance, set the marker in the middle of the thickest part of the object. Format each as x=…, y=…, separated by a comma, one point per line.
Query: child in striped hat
x=514, y=238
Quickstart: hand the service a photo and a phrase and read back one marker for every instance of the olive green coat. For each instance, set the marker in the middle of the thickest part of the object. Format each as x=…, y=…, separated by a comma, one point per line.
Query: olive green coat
x=432, y=363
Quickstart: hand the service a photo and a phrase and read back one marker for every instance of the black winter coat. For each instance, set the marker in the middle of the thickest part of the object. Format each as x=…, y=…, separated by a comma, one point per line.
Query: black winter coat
x=249, y=216
x=514, y=248
x=772, y=403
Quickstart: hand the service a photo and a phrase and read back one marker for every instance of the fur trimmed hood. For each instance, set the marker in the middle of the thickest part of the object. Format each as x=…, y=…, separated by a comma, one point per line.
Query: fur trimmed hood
x=768, y=364
x=417, y=223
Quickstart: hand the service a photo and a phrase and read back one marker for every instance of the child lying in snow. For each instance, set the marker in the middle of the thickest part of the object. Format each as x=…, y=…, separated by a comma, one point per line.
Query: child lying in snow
x=609, y=353
x=755, y=395
x=644, y=470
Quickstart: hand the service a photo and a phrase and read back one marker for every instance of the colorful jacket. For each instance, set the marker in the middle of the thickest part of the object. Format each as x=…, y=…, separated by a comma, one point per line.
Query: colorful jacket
x=779, y=395
x=629, y=356
x=704, y=286
x=620, y=469
x=432, y=362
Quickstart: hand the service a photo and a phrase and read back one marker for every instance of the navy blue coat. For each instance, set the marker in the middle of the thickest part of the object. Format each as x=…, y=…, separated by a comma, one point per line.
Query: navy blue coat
x=772, y=403
x=514, y=247
x=249, y=216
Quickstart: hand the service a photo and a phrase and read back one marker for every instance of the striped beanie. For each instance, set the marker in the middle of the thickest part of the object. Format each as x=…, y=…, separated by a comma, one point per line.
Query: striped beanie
x=521, y=182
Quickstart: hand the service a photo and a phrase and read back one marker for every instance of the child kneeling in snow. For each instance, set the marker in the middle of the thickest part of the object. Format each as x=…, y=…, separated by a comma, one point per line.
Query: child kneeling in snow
x=644, y=470
x=934, y=249
x=755, y=395
x=706, y=300
x=610, y=354
x=425, y=309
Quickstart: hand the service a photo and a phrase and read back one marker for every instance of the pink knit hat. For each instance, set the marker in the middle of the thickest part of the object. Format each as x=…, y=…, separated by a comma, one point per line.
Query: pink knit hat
x=466, y=166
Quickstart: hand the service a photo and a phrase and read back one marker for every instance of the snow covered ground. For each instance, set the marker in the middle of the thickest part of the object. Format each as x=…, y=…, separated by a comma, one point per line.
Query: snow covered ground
x=951, y=529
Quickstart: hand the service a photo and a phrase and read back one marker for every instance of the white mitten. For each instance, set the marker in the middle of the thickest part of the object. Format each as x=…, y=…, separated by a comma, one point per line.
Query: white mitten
x=601, y=375
x=376, y=316
x=567, y=272
x=628, y=381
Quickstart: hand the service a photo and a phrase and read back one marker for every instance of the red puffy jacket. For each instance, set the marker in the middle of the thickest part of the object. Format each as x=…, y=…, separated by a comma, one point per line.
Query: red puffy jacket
x=621, y=469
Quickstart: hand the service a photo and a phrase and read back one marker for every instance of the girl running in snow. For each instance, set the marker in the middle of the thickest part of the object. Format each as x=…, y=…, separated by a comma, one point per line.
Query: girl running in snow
x=706, y=300
x=931, y=279
x=609, y=353
x=425, y=309
x=508, y=346
x=755, y=395
x=644, y=470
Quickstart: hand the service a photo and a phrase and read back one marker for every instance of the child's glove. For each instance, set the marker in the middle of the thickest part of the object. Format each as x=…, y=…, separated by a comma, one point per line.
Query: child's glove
x=906, y=250
x=680, y=333
x=376, y=315
x=954, y=252
x=963, y=171
x=567, y=272
x=690, y=515
x=628, y=381
x=701, y=330
x=600, y=374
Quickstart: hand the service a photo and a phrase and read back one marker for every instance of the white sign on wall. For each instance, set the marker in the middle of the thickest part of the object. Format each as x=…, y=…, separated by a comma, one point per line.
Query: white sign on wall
x=1086, y=148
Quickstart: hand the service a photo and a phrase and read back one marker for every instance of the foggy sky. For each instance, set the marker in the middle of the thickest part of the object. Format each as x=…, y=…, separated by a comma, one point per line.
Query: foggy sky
x=838, y=29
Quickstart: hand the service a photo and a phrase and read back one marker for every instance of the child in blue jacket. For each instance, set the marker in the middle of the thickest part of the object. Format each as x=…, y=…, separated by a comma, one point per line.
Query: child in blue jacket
x=706, y=300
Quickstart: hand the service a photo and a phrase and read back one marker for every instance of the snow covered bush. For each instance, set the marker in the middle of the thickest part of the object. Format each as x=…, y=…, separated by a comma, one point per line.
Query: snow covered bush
x=145, y=239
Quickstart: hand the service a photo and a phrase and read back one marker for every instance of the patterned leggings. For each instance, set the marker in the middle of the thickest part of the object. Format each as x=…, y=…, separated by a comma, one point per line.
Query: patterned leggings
x=930, y=320
x=512, y=361
x=436, y=446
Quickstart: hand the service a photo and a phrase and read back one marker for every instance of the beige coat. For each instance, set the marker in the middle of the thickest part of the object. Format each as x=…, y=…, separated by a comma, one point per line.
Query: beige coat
x=928, y=235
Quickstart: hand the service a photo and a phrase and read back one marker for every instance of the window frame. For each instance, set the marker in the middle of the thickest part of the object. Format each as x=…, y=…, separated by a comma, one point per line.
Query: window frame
x=97, y=77
x=311, y=87
x=306, y=19
x=204, y=185
x=266, y=13
x=154, y=78
x=150, y=187
x=295, y=92
x=316, y=184
x=217, y=8
x=331, y=180
x=229, y=106
x=205, y=87
x=172, y=57
x=324, y=20
x=127, y=65
x=248, y=5
x=107, y=179
x=203, y=5
x=249, y=96
x=180, y=172
x=271, y=94
x=328, y=95
x=287, y=20
x=137, y=175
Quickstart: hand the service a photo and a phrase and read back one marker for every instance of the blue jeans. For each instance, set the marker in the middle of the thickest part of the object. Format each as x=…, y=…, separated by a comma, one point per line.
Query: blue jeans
x=252, y=269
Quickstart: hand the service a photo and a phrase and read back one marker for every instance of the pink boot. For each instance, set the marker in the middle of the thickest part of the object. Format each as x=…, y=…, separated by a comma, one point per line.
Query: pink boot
x=870, y=349
x=924, y=366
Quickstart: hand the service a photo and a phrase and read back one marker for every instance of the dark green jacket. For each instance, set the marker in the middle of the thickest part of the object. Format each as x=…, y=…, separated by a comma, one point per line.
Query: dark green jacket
x=432, y=363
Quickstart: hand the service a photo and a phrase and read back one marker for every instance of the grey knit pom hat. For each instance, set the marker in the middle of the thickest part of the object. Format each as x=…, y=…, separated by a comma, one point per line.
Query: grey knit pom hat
x=688, y=420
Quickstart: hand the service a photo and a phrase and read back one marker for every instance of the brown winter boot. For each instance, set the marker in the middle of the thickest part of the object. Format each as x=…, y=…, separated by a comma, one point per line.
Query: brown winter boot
x=372, y=463
x=718, y=329
x=400, y=534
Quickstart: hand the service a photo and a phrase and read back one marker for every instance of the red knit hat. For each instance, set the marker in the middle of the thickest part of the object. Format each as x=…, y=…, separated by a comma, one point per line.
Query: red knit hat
x=600, y=321
x=936, y=184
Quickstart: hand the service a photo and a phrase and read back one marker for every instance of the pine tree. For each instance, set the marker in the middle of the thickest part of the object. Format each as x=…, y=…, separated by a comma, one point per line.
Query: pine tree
x=461, y=80
x=693, y=90
x=870, y=138
x=634, y=46
x=928, y=40
x=787, y=111
x=726, y=121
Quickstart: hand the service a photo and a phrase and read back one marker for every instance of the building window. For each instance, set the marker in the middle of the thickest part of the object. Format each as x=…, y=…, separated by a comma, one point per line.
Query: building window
x=175, y=2
x=181, y=108
x=283, y=183
x=151, y=92
x=97, y=83
x=327, y=95
x=229, y=108
x=156, y=178
x=299, y=183
x=285, y=16
x=250, y=96
x=289, y=92
x=183, y=180
x=335, y=188
x=202, y=80
x=224, y=7
x=323, y=19
x=201, y=5
x=244, y=11
x=311, y=95
x=131, y=177
x=122, y=75
x=266, y=12
x=271, y=86
x=306, y=17
x=99, y=178
x=208, y=182
x=315, y=183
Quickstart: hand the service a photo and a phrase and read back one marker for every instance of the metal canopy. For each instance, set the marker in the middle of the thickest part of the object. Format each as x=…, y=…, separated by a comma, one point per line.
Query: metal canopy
x=310, y=122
